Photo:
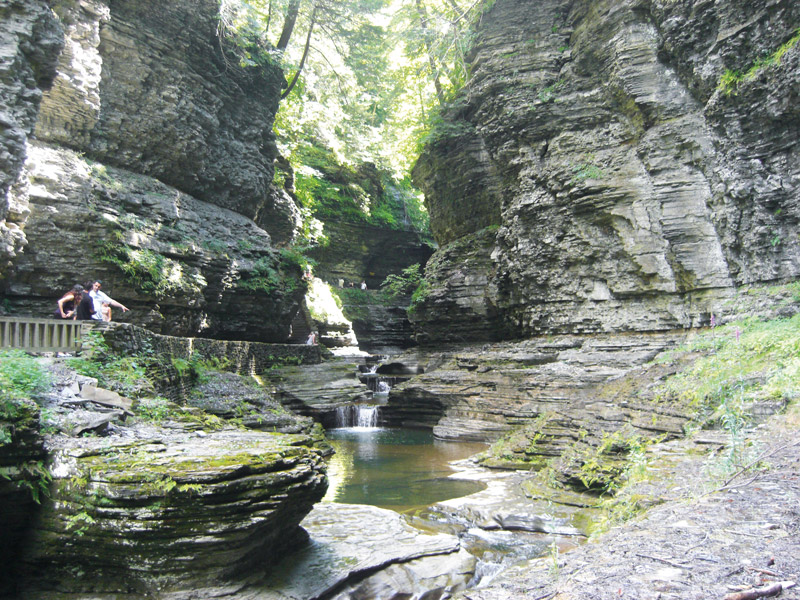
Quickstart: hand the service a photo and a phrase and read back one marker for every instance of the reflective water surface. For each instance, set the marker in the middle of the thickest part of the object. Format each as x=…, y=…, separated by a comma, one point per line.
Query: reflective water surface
x=398, y=469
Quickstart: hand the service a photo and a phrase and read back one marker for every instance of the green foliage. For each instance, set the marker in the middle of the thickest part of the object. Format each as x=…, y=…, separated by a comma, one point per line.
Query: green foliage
x=729, y=81
x=21, y=377
x=272, y=274
x=150, y=272
x=31, y=475
x=419, y=295
x=585, y=171
x=242, y=23
x=263, y=277
x=22, y=380
x=198, y=368
x=762, y=361
x=403, y=284
x=126, y=374
x=155, y=410
x=79, y=523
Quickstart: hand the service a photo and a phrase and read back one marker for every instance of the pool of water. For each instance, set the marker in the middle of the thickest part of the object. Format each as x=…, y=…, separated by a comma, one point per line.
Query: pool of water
x=398, y=469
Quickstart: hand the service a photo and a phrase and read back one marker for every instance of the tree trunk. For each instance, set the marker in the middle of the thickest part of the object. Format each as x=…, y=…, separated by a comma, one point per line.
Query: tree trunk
x=288, y=90
x=288, y=24
x=426, y=36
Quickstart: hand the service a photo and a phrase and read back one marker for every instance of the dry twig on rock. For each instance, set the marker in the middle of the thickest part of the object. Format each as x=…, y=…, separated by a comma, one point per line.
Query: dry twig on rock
x=772, y=589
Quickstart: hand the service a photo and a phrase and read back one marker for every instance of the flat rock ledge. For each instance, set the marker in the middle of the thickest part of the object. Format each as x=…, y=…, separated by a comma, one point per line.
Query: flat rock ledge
x=168, y=512
x=710, y=537
x=360, y=551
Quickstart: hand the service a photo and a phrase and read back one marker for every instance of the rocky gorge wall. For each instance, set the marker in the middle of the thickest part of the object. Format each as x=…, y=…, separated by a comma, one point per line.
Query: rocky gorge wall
x=610, y=182
x=141, y=153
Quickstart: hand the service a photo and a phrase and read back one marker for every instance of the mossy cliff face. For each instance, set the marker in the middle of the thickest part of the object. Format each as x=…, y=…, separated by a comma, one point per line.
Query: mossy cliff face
x=626, y=189
x=152, y=169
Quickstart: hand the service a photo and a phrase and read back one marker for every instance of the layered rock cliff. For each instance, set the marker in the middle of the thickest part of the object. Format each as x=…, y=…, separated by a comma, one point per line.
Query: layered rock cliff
x=140, y=152
x=613, y=166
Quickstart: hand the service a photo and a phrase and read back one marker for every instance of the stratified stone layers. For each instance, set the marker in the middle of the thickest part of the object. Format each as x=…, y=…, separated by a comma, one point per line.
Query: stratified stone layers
x=134, y=519
x=596, y=177
x=155, y=88
x=151, y=138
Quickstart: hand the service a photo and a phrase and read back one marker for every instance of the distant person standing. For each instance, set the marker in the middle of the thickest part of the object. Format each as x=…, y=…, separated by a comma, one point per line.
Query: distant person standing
x=312, y=339
x=100, y=298
x=363, y=285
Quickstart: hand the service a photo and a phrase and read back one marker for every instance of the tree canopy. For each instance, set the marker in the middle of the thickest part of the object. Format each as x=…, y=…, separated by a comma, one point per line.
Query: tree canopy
x=365, y=78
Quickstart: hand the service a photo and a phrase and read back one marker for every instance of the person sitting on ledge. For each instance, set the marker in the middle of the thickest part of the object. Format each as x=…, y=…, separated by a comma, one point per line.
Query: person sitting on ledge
x=85, y=308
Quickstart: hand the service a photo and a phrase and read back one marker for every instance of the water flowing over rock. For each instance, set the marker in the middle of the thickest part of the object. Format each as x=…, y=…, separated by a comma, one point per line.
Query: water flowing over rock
x=319, y=391
x=610, y=183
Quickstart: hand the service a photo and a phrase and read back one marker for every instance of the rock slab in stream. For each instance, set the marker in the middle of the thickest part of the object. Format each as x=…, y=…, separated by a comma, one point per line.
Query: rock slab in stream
x=349, y=542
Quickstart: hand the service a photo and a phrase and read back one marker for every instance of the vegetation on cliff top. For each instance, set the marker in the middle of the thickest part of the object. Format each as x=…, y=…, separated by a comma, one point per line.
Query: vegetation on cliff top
x=366, y=82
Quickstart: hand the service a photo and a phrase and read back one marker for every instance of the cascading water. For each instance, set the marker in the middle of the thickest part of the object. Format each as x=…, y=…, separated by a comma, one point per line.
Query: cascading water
x=357, y=415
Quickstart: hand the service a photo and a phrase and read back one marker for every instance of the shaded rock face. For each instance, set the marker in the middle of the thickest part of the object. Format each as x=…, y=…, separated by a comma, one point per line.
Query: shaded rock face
x=146, y=516
x=21, y=481
x=626, y=190
x=357, y=253
x=155, y=89
x=160, y=500
x=185, y=267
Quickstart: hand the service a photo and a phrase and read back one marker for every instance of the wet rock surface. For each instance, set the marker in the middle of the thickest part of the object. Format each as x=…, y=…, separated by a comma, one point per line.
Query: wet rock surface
x=350, y=542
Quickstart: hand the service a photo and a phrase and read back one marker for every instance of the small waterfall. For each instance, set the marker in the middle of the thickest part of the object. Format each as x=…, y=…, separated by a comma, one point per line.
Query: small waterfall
x=357, y=415
x=383, y=387
x=367, y=416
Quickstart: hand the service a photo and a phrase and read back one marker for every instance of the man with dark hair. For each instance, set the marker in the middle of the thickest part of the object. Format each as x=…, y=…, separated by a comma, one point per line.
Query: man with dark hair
x=101, y=297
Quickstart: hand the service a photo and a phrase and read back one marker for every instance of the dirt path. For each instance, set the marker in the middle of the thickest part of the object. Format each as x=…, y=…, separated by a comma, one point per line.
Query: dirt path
x=699, y=544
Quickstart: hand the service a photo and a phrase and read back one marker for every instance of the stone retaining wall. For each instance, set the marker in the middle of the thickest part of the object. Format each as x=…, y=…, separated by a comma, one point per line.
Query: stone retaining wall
x=245, y=357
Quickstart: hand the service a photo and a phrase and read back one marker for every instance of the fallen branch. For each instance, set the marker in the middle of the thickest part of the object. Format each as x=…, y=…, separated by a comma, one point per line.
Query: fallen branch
x=664, y=560
x=753, y=463
x=772, y=589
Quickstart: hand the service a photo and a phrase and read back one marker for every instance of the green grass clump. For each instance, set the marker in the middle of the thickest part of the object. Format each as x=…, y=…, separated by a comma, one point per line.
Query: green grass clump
x=22, y=381
x=21, y=377
x=759, y=360
x=731, y=78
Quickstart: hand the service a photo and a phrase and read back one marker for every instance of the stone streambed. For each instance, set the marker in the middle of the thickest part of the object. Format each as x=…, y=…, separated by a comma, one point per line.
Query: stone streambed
x=362, y=551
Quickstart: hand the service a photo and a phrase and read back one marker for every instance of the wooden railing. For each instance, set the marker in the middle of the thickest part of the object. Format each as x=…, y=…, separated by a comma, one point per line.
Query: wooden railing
x=42, y=335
